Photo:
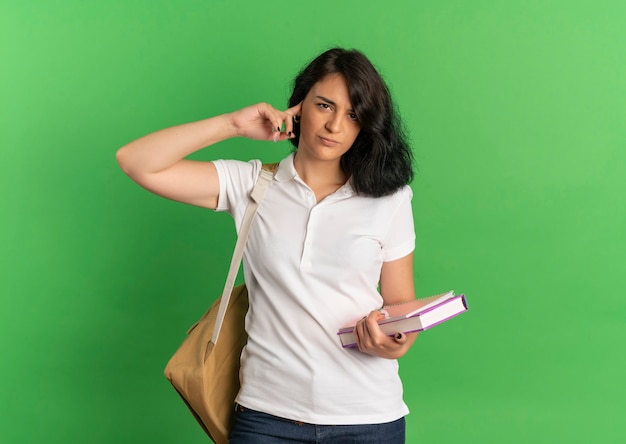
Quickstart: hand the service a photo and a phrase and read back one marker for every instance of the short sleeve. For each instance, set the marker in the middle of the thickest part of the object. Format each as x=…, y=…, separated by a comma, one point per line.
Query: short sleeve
x=400, y=238
x=236, y=179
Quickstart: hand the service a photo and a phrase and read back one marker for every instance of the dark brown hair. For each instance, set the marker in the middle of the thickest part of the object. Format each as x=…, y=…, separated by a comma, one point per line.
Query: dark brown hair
x=380, y=160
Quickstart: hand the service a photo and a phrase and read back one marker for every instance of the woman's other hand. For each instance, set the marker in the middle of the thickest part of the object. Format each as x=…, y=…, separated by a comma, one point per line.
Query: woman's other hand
x=371, y=339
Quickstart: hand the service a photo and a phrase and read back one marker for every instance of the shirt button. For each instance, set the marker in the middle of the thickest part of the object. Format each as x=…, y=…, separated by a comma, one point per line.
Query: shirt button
x=308, y=243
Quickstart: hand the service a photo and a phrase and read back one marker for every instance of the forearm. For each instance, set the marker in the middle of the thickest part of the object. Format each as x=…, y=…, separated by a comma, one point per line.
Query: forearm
x=160, y=150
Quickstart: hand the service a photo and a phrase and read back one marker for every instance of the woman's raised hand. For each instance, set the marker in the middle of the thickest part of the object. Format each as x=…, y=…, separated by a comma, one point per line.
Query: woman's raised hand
x=264, y=122
x=158, y=161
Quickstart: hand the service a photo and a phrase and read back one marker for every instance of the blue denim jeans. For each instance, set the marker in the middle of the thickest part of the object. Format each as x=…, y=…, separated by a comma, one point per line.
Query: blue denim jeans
x=252, y=427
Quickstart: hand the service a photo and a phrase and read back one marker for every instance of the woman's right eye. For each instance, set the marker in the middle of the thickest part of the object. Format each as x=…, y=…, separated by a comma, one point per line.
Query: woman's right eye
x=324, y=105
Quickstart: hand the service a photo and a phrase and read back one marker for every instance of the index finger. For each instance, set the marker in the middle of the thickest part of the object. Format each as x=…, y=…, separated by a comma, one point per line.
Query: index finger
x=291, y=112
x=370, y=322
x=294, y=109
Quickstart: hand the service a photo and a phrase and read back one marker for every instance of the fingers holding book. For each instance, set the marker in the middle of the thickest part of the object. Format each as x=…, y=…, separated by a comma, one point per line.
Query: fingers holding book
x=372, y=340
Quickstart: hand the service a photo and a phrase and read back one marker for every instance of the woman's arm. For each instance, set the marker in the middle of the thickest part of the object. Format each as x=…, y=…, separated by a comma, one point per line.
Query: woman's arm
x=157, y=161
x=396, y=286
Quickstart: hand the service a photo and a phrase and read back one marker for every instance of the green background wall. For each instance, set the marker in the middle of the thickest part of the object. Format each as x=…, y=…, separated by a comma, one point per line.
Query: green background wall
x=517, y=117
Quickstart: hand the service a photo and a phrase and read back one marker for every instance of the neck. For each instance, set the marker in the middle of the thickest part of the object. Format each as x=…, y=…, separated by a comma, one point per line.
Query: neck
x=323, y=177
x=319, y=172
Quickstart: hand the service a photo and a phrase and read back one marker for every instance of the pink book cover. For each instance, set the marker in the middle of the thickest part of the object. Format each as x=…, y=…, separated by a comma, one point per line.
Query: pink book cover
x=409, y=309
x=430, y=308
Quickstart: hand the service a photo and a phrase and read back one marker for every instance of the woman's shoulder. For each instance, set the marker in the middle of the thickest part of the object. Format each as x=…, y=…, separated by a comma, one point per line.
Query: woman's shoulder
x=402, y=194
x=405, y=191
x=238, y=170
x=238, y=164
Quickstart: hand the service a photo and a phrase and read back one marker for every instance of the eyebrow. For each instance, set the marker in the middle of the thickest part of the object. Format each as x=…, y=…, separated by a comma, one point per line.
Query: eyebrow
x=325, y=99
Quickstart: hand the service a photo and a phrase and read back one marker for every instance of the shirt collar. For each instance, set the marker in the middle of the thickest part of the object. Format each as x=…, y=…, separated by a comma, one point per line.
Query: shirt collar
x=287, y=171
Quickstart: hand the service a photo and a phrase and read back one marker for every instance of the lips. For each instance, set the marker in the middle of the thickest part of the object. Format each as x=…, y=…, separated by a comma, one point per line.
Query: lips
x=328, y=142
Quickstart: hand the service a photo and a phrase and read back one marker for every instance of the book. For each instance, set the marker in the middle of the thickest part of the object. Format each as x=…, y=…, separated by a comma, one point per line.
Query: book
x=417, y=315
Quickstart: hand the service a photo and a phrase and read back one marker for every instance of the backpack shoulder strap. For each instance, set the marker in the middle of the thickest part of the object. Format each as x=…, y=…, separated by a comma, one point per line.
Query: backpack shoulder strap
x=256, y=196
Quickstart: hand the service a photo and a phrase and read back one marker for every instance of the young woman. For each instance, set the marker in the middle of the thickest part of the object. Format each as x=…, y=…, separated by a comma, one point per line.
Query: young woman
x=332, y=241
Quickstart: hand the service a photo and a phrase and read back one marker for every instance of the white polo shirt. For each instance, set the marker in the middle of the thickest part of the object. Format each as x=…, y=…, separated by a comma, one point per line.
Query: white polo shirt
x=311, y=268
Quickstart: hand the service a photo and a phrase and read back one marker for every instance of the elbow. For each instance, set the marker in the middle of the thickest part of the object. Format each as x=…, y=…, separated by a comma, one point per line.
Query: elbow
x=131, y=165
x=122, y=159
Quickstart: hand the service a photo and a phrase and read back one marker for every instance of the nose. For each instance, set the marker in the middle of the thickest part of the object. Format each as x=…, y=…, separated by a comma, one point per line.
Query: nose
x=333, y=124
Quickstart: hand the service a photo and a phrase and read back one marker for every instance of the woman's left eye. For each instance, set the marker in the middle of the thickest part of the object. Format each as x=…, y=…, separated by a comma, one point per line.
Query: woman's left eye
x=353, y=117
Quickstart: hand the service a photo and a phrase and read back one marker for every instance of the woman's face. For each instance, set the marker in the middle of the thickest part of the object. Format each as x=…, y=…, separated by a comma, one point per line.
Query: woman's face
x=328, y=124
